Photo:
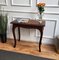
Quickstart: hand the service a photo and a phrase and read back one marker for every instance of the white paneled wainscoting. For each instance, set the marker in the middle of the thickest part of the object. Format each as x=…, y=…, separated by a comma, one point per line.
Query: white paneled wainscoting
x=28, y=9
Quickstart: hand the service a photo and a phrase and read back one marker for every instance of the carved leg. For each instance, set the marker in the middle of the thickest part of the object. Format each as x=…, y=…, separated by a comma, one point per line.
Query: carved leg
x=13, y=30
x=19, y=33
x=41, y=32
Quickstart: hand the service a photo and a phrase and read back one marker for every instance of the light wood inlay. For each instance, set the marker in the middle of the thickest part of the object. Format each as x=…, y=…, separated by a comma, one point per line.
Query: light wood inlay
x=31, y=48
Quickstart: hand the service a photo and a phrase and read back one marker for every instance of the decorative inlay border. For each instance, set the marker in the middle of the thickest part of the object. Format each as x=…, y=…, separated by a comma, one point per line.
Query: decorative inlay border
x=22, y=5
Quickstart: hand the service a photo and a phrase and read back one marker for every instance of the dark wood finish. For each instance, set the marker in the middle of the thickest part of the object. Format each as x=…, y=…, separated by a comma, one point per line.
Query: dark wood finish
x=19, y=33
x=31, y=24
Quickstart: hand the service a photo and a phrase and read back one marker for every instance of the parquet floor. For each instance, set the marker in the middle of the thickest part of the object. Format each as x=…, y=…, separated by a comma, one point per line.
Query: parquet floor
x=48, y=51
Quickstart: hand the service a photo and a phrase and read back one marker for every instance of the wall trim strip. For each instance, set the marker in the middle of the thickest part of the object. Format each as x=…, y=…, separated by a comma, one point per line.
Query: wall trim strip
x=49, y=13
x=21, y=5
x=4, y=4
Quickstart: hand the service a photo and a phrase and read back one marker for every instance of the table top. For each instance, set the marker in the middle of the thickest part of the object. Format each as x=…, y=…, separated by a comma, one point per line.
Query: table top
x=30, y=22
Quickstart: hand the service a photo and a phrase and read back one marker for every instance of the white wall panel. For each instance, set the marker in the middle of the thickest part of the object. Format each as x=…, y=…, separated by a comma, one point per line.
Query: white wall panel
x=51, y=16
x=21, y=2
x=3, y=2
x=49, y=29
x=48, y=2
x=56, y=10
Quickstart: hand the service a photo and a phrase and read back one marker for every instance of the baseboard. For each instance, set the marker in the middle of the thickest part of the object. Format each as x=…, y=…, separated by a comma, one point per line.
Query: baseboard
x=33, y=42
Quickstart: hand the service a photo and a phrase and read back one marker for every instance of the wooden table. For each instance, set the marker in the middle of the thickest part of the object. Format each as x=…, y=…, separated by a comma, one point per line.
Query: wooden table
x=31, y=24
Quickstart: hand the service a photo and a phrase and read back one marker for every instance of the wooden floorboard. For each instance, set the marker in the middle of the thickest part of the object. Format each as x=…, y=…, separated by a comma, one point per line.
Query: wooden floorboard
x=31, y=48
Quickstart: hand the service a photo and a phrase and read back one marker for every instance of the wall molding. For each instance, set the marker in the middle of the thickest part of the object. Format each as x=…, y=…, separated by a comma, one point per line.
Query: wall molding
x=20, y=5
x=5, y=3
x=52, y=6
x=52, y=13
x=58, y=2
x=49, y=13
x=35, y=41
x=54, y=25
x=53, y=30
